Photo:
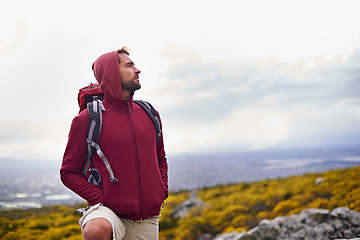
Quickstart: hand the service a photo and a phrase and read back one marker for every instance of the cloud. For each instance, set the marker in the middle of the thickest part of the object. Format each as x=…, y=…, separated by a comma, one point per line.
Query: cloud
x=208, y=105
x=260, y=104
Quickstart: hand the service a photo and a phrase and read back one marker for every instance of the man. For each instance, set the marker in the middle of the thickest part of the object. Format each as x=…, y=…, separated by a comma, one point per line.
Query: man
x=129, y=208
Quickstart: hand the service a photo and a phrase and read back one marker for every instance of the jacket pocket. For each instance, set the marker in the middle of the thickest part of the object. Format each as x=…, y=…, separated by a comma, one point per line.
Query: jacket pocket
x=121, y=197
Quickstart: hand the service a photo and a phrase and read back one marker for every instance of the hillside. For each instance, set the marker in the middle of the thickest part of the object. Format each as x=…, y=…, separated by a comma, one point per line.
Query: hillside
x=225, y=208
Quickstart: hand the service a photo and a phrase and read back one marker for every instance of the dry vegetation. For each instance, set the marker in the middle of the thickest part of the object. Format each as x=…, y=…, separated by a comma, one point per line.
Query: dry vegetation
x=228, y=208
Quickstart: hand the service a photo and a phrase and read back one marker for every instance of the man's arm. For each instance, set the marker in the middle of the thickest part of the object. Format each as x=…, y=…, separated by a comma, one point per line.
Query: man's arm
x=74, y=161
x=162, y=161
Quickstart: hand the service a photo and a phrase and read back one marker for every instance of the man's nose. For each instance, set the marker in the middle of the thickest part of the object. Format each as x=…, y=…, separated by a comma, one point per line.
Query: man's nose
x=137, y=71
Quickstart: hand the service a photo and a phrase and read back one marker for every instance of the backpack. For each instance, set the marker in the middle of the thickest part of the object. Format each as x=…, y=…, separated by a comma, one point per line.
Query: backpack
x=91, y=97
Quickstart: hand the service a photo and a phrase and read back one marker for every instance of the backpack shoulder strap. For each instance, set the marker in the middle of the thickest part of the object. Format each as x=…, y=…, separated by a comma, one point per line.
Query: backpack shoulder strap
x=151, y=112
x=96, y=108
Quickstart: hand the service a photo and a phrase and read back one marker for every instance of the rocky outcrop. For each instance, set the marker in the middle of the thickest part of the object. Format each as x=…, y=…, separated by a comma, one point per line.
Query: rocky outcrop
x=182, y=210
x=310, y=224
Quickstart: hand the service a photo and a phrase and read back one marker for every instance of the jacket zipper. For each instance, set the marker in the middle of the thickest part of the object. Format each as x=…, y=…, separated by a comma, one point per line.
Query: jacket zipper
x=130, y=111
x=137, y=161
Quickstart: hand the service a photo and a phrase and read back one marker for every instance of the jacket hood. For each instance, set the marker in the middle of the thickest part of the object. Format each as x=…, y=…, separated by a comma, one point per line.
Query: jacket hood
x=107, y=73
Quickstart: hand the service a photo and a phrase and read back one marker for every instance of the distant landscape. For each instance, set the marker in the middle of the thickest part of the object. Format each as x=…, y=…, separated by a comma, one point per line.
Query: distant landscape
x=35, y=183
x=326, y=206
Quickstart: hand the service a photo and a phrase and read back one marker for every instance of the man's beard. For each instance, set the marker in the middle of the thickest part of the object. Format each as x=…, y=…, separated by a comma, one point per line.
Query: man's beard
x=130, y=86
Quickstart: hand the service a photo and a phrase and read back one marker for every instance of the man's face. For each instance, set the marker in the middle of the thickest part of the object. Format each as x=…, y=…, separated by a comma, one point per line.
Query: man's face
x=129, y=74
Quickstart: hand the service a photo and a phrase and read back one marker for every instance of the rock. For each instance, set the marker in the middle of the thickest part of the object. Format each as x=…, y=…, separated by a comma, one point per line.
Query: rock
x=182, y=210
x=349, y=239
x=317, y=215
x=205, y=236
x=319, y=180
x=270, y=231
x=230, y=236
x=314, y=223
x=337, y=224
x=357, y=231
x=341, y=213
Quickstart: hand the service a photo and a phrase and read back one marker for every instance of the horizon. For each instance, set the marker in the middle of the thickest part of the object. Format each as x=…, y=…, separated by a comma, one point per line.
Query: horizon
x=186, y=172
x=288, y=150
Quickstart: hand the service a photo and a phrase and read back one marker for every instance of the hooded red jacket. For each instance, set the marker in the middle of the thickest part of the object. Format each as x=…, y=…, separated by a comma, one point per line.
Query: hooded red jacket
x=128, y=140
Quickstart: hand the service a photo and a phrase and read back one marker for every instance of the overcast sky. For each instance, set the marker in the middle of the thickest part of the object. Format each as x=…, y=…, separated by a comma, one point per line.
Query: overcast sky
x=224, y=75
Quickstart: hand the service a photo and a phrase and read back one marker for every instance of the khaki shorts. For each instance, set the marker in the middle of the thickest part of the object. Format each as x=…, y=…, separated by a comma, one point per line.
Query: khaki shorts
x=123, y=228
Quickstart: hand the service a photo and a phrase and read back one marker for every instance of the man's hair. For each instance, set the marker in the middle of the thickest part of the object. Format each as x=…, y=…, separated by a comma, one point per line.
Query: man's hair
x=125, y=50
